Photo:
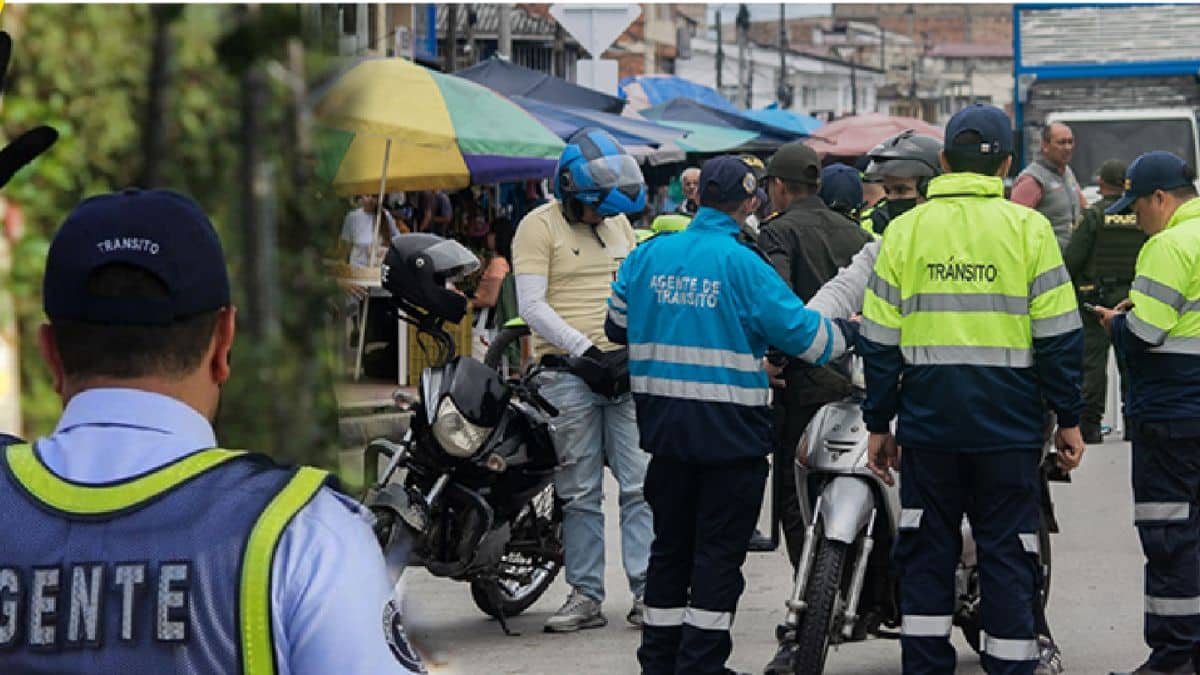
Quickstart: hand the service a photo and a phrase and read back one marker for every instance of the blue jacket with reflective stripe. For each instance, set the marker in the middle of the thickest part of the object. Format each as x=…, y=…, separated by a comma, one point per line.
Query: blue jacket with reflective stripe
x=698, y=310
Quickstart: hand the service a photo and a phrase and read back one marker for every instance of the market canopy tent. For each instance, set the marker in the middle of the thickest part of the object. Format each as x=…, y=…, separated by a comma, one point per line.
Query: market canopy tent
x=512, y=80
x=785, y=119
x=857, y=135
x=565, y=120
x=687, y=110
x=647, y=91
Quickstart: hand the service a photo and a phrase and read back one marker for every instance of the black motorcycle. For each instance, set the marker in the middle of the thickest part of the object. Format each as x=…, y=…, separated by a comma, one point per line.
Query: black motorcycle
x=469, y=486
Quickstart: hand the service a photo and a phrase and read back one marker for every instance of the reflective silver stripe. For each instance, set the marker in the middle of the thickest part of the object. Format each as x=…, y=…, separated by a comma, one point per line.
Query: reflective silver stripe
x=617, y=303
x=1056, y=325
x=666, y=617
x=1144, y=331
x=707, y=620
x=968, y=356
x=965, y=302
x=1161, y=511
x=910, y=519
x=879, y=333
x=618, y=318
x=886, y=292
x=1048, y=281
x=1178, y=345
x=1009, y=650
x=694, y=356
x=926, y=625
x=699, y=391
x=1190, y=306
x=1159, y=291
x=1172, y=606
x=819, y=342
x=1029, y=542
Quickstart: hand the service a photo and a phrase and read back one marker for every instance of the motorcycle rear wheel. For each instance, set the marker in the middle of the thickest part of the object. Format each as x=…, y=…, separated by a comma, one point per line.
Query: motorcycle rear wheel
x=824, y=600
x=522, y=577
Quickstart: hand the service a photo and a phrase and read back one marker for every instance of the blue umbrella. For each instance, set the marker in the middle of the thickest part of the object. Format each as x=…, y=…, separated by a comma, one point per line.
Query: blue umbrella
x=785, y=119
x=565, y=120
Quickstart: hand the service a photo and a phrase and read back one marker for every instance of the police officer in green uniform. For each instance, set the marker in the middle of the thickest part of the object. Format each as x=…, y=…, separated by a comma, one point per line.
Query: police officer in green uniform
x=1100, y=258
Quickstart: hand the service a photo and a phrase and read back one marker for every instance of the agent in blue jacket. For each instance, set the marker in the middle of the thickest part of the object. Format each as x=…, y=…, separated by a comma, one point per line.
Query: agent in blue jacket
x=698, y=310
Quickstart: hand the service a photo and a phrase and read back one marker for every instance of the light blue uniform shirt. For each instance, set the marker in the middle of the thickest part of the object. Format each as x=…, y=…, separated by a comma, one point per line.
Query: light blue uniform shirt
x=330, y=588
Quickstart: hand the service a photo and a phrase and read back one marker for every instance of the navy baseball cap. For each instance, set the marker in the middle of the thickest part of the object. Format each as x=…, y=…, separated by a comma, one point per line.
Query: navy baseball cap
x=840, y=184
x=1156, y=170
x=162, y=232
x=990, y=122
x=726, y=179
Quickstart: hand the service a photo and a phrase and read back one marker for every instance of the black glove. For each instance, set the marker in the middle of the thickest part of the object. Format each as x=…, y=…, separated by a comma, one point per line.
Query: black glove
x=605, y=373
x=28, y=145
x=850, y=330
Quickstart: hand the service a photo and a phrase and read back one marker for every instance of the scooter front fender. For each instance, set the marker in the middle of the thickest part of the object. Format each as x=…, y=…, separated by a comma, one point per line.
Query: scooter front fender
x=846, y=505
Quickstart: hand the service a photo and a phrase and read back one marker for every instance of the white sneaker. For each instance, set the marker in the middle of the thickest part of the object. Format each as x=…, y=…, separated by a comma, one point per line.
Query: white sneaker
x=579, y=611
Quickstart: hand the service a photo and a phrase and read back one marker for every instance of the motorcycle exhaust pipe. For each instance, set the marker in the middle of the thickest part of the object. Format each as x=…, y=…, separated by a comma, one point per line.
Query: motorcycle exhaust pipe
x=856, y=580
x=795, y=603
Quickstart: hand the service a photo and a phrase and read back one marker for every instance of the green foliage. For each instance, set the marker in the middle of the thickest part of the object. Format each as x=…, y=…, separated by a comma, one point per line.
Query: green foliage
x=84, y=70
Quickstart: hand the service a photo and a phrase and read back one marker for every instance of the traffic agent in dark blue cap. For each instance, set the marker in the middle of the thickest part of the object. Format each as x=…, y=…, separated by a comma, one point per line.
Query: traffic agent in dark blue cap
x=162, y=232
x=990, y=122
x=726, y=179
x=1157, y=170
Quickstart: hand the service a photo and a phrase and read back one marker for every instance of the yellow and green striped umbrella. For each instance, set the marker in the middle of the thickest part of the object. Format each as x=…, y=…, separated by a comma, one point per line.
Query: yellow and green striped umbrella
x=420, y=130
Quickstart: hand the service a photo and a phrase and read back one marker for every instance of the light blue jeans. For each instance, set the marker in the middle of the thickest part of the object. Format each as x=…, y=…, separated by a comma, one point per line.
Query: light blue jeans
x=589, y=432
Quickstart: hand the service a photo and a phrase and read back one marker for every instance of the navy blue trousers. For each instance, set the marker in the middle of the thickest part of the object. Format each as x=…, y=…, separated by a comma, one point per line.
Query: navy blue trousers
x=704, y=515
x=999, y=493
x=1166, y=483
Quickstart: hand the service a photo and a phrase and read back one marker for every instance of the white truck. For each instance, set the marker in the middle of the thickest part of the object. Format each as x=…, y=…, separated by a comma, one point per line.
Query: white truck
x=1125, y=78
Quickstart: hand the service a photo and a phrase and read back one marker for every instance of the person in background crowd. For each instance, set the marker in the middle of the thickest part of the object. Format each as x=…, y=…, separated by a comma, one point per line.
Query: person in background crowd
x=873, y=214
x=690, y=181
x=495, y=268
x=1101, y=257
x=358, y=231
x=1048, y=185
x=842, y=190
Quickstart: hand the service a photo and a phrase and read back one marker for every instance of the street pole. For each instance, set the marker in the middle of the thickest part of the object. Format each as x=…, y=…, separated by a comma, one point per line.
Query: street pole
x=720, y=54
x=504, y=43
x=743, y=39
x=451, y=37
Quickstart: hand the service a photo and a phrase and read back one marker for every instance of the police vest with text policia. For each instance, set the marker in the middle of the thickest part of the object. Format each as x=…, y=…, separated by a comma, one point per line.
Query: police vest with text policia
x=165, y=572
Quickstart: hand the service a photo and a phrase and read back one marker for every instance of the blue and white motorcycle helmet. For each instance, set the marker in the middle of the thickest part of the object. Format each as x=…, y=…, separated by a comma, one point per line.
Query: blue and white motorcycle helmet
x=595, y=170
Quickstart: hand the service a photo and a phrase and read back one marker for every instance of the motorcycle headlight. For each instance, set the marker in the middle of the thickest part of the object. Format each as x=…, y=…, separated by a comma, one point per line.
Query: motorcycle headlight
x=457, y=436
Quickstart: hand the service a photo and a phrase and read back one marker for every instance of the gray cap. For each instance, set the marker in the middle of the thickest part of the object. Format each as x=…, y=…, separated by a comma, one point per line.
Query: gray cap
x=795, y=162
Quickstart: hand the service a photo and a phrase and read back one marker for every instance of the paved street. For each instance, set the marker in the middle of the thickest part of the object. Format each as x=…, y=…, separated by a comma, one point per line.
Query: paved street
x=1095, y=608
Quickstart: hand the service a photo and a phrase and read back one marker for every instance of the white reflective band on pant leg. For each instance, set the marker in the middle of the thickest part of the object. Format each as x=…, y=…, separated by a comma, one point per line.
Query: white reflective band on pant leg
x=707, y=620
x=1172, y=606
x=1030, y=543
x=910, y=519
x=662, y=617
x=926, y=625
x=1165, y=511
x=1009, y=650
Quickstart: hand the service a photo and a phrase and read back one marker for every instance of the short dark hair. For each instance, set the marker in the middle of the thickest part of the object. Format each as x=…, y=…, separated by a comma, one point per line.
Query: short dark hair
x=962, y=161
x=796, y=188
x=90, y=349
x=723, y=207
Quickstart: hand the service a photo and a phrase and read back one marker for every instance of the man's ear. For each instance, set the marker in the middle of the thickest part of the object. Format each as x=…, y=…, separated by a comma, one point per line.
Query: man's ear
x=48, y=346
x=222, y=342
x=945, y=164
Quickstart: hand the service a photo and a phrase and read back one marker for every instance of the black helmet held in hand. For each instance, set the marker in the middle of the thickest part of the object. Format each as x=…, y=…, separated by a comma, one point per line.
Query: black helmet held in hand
x=416, y=270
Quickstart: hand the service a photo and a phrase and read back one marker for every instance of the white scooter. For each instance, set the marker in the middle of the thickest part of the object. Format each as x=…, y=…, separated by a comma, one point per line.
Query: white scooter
x=845, y=586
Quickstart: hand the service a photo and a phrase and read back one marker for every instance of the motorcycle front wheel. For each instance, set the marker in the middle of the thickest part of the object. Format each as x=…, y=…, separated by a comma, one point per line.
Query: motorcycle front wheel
x=530, y=563
x=824, y=602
